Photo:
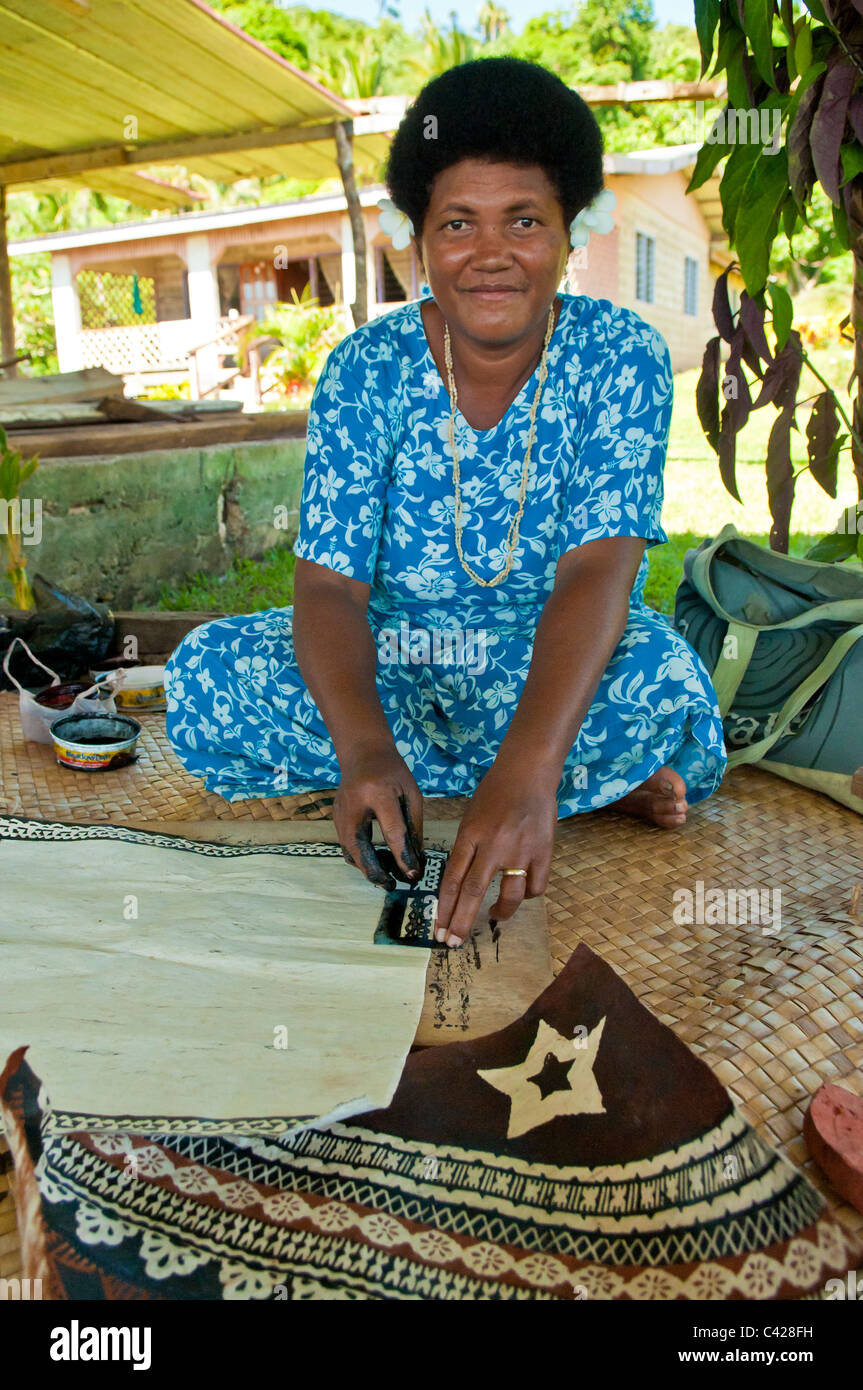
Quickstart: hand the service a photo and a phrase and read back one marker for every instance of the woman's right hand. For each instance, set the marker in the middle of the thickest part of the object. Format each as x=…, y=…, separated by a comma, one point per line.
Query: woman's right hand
x=376, y=784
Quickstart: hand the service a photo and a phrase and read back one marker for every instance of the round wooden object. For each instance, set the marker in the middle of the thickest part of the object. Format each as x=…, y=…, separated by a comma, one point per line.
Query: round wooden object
x=833, y=1130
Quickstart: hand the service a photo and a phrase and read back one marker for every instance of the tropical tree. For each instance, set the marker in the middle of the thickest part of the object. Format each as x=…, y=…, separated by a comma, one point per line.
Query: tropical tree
x=620, y=32
x=66, y=210
x=442, y=48
x=35, y=336
x=617, y=41
x=357, y=72
x=269, y=23
x=492, y=21
x=792, y=125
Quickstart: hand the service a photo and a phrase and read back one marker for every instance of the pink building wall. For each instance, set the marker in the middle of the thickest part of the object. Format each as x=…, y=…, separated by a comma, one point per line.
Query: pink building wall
x=658, y=206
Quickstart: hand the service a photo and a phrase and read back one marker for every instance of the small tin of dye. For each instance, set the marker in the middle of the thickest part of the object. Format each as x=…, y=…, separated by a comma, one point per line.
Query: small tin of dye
x=142, y=690
x=94, y=742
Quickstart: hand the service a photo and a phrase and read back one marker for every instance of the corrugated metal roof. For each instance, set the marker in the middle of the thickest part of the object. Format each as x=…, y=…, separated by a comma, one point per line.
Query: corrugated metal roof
x=95, y=91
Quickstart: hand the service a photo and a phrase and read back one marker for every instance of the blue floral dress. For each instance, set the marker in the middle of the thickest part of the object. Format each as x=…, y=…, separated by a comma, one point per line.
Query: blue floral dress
x=378, y=505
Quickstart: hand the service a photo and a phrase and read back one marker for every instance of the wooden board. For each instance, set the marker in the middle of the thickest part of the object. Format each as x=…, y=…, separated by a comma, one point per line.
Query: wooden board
x=114, y=409
x=154, y=630
x=91, y=384
x=77, y=441
x=15, y=416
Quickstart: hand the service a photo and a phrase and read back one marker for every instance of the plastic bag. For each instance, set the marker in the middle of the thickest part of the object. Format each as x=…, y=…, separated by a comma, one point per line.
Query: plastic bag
x=37, y=719
x=68, y=633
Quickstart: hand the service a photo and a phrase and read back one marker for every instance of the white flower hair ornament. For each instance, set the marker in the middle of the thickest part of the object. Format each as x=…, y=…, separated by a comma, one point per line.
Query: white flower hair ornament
x=394, y=224
x=596, y=217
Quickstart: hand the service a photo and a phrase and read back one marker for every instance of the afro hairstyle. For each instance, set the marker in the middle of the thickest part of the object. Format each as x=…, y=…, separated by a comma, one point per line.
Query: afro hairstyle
x=504, y=109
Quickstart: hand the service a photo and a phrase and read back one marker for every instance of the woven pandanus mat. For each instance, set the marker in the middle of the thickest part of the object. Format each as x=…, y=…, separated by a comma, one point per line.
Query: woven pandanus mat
x=773, y=1012
x=157, y=787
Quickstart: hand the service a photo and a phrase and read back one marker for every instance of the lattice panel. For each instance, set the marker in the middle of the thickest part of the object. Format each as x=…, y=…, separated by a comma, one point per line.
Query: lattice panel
x=107, y=299
x=139, y=348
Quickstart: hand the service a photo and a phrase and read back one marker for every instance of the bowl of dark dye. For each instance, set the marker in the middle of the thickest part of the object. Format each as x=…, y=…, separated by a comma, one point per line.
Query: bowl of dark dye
x=62, y=696
x=94, y=742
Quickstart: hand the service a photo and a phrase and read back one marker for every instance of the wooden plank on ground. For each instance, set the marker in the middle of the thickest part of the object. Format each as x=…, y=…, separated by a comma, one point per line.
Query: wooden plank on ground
x=111, y=408
x=17, y=417
x=111, y=439
x=155, y=631
x=91, y=384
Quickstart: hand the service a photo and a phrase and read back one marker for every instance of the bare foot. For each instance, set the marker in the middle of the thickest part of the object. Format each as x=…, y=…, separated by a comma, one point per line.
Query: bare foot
x=660, y=800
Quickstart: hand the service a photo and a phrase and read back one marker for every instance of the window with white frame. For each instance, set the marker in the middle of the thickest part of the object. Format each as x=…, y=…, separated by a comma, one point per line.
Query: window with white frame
x=645, y=258
x=690, y=286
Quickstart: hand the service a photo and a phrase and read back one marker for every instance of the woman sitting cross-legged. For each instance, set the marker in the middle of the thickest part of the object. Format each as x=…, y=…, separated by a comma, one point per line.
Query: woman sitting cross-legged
x=483, y=476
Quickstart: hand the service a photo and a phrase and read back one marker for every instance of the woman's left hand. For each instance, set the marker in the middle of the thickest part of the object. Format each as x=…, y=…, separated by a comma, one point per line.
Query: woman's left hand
x=509, y=824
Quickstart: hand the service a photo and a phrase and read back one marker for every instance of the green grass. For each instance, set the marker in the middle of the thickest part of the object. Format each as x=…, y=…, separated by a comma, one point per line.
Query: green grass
x=249, y=586
x=696, y=505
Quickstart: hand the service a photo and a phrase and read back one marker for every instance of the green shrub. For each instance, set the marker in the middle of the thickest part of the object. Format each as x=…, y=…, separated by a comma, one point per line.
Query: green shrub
x=308, y=333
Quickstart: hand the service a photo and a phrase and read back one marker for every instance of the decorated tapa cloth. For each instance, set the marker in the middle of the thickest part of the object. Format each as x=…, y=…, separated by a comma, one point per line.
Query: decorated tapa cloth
x=453, y=656
x=166, y=983
x=581, y=1152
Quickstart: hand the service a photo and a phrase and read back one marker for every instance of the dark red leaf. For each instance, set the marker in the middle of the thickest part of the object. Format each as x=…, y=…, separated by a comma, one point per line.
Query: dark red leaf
x=752, y=318
x=855, y=113
x=828, y=126
x=737, y=395
x=749, y=75
x=727, y=455
x=852, y=215
x=738, y=404
x=794, y=349
x=801, y=170
x=722, y=316
x=821, y=431
x=782, y=376
x=707, y=393
x=780, y=479
x=750, y=357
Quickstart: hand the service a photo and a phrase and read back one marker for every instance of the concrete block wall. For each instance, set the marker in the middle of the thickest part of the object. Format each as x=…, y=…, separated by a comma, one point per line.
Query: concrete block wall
x=118, y=528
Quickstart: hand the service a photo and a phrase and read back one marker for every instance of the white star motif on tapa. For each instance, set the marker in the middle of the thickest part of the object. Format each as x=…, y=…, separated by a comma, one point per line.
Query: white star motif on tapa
x=529, y=1106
